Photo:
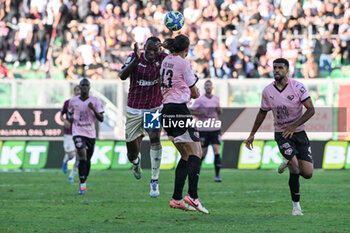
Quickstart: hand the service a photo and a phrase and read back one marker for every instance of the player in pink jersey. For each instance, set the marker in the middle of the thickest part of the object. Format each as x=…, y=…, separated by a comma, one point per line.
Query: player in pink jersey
x=286, y=98
x=207, y=107
x=144, y=96
x=178, y=85
x=68, y=143
x=83, y=111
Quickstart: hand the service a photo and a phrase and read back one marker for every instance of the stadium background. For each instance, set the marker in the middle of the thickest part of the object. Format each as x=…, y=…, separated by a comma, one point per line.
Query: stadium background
x=232, y=42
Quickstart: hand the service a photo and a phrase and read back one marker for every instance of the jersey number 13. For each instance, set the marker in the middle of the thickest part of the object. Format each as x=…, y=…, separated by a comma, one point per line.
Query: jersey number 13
x=167, y=75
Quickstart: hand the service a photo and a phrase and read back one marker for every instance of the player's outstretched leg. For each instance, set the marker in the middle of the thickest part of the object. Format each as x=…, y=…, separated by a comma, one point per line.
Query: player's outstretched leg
x=193, y=170
x=306, y=171
x=156, y=156
x=294, y=185
x=217, y=163
x=83, y=170
x=136, y=167
x=180, y=179
x=82, y=176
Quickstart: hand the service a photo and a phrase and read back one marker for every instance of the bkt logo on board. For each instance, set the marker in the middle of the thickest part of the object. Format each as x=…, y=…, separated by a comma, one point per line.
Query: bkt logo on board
x=151, y=120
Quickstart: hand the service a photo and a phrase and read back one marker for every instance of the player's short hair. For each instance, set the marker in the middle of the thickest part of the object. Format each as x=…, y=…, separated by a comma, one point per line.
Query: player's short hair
x=84, y=80
x=152, y=39
x=281, y=60
x=208, y=81
x=178, y=44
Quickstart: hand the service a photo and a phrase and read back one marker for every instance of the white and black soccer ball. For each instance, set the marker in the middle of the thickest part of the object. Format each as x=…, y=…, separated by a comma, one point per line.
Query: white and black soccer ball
x=174, y=20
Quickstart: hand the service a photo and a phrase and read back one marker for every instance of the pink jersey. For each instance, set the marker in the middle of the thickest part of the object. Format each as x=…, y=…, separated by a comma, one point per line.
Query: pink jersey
x=209, y=106
x=144, y=89
x=286, y=105
x=177, y=79
x=83, y=117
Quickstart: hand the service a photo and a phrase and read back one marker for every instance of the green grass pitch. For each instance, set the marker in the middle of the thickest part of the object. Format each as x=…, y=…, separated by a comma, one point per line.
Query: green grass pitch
x=246, y=201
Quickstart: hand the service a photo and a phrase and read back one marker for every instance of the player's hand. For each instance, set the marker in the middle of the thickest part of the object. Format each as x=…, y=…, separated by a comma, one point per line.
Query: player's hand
x=249, y=142
x=137, y=51
x=91, y=106
x=289, y=131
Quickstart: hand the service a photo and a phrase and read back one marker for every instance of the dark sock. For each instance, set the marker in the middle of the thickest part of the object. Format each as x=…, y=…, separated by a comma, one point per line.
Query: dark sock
x=217, y=163
x=82, y=170
x=294, y=186
x=88, y=165
x=193, y=169
x=180, y=178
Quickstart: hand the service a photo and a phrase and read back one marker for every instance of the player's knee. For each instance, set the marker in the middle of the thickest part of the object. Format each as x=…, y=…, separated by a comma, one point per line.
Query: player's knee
x=307, y=175
x=132, y=155
x=154, y=138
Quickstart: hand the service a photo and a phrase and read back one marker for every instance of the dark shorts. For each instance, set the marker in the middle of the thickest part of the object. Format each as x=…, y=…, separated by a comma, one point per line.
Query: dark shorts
x=82, y=142
x=172, y=115
x=210, y=138
x=299, y=145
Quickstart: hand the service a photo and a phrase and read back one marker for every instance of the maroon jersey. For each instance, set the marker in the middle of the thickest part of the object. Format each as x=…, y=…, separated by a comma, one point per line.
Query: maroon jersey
x=64, y=110
x=144, y=90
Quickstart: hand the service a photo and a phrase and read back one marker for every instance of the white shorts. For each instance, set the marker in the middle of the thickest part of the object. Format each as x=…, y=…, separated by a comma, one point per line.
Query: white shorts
x=134, y=123
x=68, y=143
x=134, y=126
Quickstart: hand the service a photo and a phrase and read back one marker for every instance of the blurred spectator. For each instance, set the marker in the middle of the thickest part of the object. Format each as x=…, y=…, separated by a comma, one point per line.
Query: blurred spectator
x=141, y=32
x=4, y=32
x=310, y=68
x=273, y=53
x=95, y=70
x=39, y=37
x=61, y=21
x=83, y=9
x=243, y=67
x=65, y=62
x=23, y=40
x=85, y=51
x=95, y=12
x=327, y=52
x=264, y=70
x=217, y=29
x=221, y=59
x=191, y=13
x=4, y=71
x=344, y=34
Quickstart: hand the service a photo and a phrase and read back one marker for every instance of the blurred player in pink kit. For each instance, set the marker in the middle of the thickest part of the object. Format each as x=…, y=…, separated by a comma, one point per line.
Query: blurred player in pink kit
x=83, y=111
x=68, y=143
x=207, y=107
x=286, y=98
x=144, y=96
x=178, y=85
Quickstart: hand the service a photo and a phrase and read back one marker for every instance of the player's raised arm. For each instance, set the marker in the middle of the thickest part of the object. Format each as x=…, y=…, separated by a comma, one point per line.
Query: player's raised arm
x=130, y=63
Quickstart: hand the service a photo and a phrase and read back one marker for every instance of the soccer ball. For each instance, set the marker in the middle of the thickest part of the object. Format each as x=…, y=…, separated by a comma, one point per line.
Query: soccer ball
x=174, y=20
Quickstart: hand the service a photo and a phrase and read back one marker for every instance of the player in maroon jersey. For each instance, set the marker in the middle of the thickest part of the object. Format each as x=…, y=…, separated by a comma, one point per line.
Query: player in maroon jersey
x=68, y=144
x=144, y=96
